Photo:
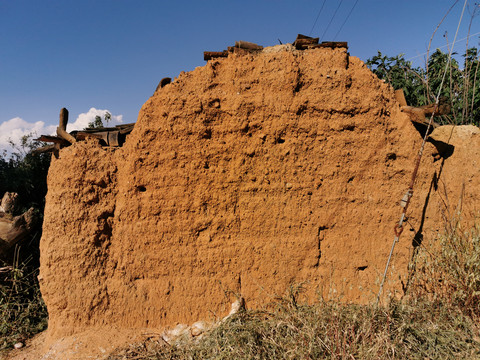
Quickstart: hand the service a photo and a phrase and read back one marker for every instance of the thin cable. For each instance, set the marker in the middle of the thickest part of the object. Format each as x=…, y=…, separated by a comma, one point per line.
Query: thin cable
x=443, y=46
x=335, y=13
x=318, y=15
x=341, y=27
x=448, y=63
x=409, y=194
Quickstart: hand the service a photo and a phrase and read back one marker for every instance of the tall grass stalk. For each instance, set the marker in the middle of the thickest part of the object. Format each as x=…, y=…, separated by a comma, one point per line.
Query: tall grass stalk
x=448, y=271
x=22, y=310
x=437, y=319
x=328, y=330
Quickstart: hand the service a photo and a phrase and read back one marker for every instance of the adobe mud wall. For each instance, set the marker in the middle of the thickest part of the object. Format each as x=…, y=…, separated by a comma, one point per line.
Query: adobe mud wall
x=242, y=177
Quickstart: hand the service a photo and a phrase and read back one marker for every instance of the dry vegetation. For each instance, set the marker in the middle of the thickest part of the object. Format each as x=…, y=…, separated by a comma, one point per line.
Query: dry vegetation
x=438, y=319
x=22, y=310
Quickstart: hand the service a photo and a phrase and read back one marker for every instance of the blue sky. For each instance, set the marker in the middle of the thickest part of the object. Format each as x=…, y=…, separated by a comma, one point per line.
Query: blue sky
x=91, y=56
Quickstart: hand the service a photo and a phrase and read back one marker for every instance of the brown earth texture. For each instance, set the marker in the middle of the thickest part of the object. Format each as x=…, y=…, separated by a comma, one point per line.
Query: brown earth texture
x=241, y=178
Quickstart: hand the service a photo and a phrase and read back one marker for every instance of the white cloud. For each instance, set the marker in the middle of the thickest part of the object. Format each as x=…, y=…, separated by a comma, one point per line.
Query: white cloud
x=15, y=128
x=85, y=118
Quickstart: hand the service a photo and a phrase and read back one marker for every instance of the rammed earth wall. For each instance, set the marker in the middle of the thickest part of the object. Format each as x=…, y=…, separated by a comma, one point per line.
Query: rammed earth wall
x=242, y=177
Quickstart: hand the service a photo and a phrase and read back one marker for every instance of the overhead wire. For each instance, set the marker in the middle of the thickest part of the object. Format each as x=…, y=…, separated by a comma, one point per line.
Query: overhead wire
x=318, y=15
x=335, y=13
x=443, y=46
x=350, y=13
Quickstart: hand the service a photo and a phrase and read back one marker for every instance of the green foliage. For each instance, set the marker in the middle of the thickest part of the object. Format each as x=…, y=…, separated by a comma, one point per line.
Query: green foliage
x=399, y=73
x=25, y=173
x=421, y=86
x=98, y=122
x=471, y=76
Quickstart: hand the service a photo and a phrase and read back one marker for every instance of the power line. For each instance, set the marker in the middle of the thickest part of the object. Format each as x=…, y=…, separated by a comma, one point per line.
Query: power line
x=335, y=13
x=315, y=23
x=341, y=27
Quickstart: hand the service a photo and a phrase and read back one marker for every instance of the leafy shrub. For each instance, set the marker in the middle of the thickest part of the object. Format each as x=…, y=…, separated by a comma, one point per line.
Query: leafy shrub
x=421, y=85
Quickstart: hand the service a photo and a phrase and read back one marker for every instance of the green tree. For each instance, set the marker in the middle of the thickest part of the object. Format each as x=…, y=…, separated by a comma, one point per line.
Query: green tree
x=25, y=173
x=471, y=78
x=461, y=86
x=98, y=122
x=399, y=73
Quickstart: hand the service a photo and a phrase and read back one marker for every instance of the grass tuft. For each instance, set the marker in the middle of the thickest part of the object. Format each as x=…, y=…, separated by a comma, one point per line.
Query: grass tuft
x=328, y=330
x=448, y=272
x=22, y=310
x=437, y=319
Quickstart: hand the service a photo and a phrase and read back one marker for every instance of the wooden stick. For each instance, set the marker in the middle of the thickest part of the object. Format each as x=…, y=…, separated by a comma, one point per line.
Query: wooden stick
x=52, y=139
x=331, y=44
x=44, y=149
x=65, y=135
x=208, y=55
x=247, y=45
x=62, y=128
x=56, y=150
x=63, y=118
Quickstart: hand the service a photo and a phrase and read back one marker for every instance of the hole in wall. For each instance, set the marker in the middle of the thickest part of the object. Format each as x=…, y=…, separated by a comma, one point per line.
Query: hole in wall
x=391, y=156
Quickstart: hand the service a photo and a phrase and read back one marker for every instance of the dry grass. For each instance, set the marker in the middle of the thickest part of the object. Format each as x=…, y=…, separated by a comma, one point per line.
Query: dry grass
x=448, y=272
x=438, y=319
x=22, y=311
x=329, y=331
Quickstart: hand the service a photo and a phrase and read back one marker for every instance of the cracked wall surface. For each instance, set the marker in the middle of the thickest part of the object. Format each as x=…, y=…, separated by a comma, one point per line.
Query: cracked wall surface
x=241, y=177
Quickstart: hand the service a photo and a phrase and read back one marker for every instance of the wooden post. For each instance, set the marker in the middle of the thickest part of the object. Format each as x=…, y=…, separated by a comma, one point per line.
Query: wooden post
x=63, y=118
x=208, y=55
x=62, y=128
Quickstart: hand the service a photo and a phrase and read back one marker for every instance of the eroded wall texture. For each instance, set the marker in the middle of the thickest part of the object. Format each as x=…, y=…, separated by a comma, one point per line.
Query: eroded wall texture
x=242, y=177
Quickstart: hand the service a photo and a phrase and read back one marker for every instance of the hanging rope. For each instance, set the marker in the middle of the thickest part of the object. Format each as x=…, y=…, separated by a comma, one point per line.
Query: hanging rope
x=398, y=229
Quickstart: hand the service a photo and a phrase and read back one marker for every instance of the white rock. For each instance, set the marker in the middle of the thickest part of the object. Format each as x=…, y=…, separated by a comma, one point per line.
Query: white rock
x=198, y=328
x=172, y=334
x=238, y=305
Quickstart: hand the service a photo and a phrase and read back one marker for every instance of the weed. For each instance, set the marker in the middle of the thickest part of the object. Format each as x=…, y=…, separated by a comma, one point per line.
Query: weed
x=22, y=311
x=436, y=320
x=448, y=272
x=328, y=330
